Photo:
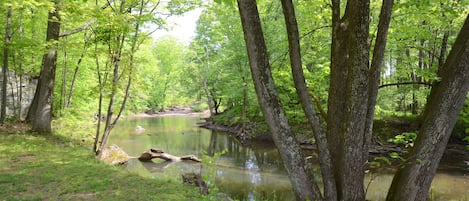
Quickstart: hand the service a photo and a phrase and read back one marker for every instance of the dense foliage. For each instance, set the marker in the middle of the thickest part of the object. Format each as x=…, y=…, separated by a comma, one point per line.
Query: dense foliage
x=213, y=70
x=99, y=57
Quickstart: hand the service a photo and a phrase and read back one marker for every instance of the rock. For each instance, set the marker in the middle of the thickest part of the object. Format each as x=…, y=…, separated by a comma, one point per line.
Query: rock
x=139, y=129
x=114, y=155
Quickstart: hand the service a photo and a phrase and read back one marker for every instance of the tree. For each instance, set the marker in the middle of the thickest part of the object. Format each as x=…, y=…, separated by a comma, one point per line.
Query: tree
x=299, y=173
x=115, y=36
x=5, y=65
x=302, y=90
x=352, y=97
x=40, y=111
x=413, y=179
x=170, y=55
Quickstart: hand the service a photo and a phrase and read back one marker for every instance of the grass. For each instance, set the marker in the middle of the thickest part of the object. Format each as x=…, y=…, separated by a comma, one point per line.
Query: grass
x=48, y=167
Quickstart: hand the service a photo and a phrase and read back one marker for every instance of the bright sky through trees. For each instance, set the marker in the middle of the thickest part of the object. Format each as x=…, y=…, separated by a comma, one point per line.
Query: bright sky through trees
x=181, y=27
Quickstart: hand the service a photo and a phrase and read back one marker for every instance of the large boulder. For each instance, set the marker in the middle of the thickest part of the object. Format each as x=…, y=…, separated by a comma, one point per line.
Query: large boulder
x=114, y=155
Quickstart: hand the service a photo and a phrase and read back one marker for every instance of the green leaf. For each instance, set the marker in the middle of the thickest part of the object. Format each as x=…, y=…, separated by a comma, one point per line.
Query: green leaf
x=394, y=155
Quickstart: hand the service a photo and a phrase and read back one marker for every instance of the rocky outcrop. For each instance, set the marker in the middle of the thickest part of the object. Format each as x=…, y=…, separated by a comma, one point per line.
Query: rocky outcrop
x=27, y=88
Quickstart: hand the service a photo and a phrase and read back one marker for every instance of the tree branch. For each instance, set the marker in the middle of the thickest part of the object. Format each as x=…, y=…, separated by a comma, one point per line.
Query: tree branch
x=406, y=83
x=77, y=30
x=86, y=25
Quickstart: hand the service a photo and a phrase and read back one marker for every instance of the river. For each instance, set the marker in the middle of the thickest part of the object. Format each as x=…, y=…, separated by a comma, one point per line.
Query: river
x=253, y=172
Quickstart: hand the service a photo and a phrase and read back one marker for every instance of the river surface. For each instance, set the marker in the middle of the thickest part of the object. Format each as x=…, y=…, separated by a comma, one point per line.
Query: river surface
x=253, y=172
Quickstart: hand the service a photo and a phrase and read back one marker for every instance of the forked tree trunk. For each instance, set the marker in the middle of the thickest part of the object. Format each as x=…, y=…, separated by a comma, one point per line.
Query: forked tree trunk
x=348, y=98
x=413, y=180
x=299, y=172
x=115, y=83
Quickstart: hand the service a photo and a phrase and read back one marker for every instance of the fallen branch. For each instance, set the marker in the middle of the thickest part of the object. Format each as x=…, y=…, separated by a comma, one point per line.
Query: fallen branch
x=155, y=153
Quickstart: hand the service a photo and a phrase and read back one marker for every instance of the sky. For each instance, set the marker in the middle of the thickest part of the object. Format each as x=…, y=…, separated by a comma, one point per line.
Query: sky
x=181, y=27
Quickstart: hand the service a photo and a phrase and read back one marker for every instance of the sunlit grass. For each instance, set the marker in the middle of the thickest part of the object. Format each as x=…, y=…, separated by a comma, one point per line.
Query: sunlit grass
x=39, y=167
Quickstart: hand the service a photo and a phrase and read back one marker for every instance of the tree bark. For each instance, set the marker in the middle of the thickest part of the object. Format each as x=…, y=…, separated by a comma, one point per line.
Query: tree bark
x=412, y=181
x=5, y=66
x=299, y=172
x=20, y=69
x=330, y=191
x=40, y=114
x=338, y=72
x=348, y=97
x=376, y=66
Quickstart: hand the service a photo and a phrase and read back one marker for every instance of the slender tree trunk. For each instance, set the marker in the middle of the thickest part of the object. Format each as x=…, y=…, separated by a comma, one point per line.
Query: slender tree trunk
x=110, y=111
x=72, y=85
x=102, y=82
x=5, y=66
x=133, y=48
x=209, y=96
x=63, y=87
x=376, y=66
x=40, y=114
x=330, y=191
x=442, y=56
x=20, y=72
x=413, y=180
x=68, y=102
x=337, y=86
x=300, y=173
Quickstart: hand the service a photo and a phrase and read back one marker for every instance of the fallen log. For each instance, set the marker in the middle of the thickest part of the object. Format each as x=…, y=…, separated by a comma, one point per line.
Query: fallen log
x=155, y=153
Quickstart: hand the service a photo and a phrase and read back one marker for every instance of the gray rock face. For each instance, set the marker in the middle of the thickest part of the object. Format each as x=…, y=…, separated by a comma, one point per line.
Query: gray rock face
x=27, y=86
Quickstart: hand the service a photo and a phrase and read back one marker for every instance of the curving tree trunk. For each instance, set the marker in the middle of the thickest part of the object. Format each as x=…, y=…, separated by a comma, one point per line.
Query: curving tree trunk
x=299, y=172
x=413, y=180
x=330, y=191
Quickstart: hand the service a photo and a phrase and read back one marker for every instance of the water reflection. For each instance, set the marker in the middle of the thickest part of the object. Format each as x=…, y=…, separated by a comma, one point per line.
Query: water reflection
x=253, y=172
x=247, y=173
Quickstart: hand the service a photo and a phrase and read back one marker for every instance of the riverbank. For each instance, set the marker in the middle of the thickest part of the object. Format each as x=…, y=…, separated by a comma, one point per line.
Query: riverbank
x=51, y=167
x=455, y=158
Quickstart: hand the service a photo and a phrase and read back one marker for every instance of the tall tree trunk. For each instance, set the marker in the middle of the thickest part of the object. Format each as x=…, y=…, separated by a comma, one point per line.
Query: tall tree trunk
x=40, y=114
x=102, y=82
x=20, y=73
x=376, y=65
x=68, y=102
x=203, y=76
x=330, y=191
x=412, y=181
x=337, y=86
x=348, y=97
x=63, y=87
x=6, y=45
x=299, y=172
x=444, y=44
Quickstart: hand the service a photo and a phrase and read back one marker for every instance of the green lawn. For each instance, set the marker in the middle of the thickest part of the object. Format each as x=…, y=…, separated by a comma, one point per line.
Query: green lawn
x=39, y=167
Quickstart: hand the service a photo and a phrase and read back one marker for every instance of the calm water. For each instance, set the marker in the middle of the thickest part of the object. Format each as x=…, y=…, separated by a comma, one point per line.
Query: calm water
x=247, y=173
